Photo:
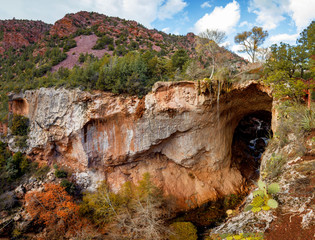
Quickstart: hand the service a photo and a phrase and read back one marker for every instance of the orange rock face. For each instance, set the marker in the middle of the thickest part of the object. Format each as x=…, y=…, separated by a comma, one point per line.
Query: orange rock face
x=181, y=138
x=19, y=107
x=3, y=128
x=63, y=27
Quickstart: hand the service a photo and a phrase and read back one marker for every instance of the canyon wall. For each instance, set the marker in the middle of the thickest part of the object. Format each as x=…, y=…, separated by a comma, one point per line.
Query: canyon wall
x=181, y=137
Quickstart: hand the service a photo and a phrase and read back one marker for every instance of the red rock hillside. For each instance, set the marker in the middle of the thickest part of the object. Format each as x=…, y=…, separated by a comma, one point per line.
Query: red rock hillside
x=85, y=26
x=17, y=33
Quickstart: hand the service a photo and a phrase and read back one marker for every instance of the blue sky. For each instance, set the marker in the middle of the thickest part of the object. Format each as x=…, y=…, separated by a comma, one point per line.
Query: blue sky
x=284, y=19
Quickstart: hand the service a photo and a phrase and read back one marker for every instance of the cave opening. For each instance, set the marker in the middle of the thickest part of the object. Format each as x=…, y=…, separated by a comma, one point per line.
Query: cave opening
x=19, y=106
x=249, y=142
x=250, y=139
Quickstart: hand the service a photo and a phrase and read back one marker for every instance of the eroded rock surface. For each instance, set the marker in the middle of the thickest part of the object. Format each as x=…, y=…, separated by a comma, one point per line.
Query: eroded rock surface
x=182, y=138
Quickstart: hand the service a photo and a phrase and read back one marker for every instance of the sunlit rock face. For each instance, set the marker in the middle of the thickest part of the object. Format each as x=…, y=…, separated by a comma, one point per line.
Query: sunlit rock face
x=181, y=138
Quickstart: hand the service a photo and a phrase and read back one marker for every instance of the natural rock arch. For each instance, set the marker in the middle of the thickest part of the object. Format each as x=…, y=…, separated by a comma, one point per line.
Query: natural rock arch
x=181, y=137
x=199, y=154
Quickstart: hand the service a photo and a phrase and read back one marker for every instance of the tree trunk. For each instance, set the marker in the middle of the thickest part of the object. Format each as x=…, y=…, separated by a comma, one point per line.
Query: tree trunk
x=309, y=92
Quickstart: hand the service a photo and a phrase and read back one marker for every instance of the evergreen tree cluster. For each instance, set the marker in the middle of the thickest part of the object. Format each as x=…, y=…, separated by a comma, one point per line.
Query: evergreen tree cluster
x=290, y=69
x=134, y=73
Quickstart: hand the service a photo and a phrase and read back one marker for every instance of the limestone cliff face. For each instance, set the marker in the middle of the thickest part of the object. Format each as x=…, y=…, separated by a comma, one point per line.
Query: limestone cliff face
x=182, y=138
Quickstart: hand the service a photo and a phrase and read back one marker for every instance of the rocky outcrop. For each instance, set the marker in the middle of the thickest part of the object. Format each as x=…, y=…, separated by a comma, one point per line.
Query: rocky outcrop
x=295, y=215
x=182, y=138
x=17, y=33
x=70, y=23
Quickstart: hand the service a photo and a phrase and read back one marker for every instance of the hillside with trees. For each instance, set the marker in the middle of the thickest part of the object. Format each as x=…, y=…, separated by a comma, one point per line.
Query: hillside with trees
x=95, y=53
x=150, y=56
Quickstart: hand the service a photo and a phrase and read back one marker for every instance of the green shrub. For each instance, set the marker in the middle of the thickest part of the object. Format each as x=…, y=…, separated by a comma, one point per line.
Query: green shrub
x=120, y=50
x=40, y=172
x=308, y=121
x=68, y=44
x=7, y=200
x=135, y=212
x=4, y=154
x=19, y=125
x=42, y=70
x=2, y=161
x=60, y=173
x=102, y=206
x=16, y=165
x=81, y=58
x=262, y=198
x=274, y=165
x=179, y=58
x=232, y=200
x=21, y=141
x=294, y=120
x=24, y=165
x=69, y=186
x=55, y=61
x=102, y=42
x=111, y=47
x=183, y=231
x=81, y=31
x=16, y=233
x=133, y=45
x=287, y=67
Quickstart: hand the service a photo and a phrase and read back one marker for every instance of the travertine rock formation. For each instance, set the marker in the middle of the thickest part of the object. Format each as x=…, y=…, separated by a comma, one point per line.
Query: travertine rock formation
x=182, y=138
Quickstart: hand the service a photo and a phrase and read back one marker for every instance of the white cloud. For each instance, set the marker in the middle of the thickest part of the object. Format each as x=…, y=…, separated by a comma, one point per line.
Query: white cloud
x=236, y=49
x=45, y=10
x=221, y=18
x=284, y=38
x=206, y=5
x=166, y=30
x=170, y=8
x=271, y=12
x=184, y=17
x=143, y=11
x=303, y=12
x=244, y=23
x=225, y=44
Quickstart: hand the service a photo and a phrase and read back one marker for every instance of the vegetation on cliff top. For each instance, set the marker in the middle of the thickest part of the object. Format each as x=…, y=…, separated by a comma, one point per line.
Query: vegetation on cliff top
x=290, y=70
x=135, y=57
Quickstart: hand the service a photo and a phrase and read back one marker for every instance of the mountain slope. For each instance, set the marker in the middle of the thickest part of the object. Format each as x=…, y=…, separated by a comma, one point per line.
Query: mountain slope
x=79, y=49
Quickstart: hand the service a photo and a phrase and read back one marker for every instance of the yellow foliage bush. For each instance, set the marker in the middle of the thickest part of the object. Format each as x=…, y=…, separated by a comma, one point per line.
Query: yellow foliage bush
x=183, y=231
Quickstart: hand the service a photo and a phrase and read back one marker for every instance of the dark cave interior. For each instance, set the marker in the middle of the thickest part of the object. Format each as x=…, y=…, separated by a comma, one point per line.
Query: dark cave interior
x=249, y=142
